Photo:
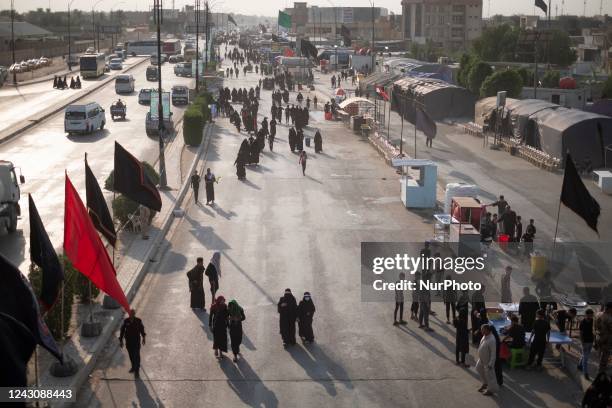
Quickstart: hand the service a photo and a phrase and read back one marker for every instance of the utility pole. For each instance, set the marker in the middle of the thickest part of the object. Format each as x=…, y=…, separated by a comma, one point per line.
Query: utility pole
x=197, y=22
x=158, y=7
x=13, y=40
x=69, y=48
x=206, y=37
x=373, y=48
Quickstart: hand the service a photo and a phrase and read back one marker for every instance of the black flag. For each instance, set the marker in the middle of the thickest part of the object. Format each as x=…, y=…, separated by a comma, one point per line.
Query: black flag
x=345, y=32
x=131, y=180
x=541, y=4
x=425, y=123
x=43, y=254
x=308, y=49
x=21, y=326
x=576, y=197
x=98, y=210
x=231, y=20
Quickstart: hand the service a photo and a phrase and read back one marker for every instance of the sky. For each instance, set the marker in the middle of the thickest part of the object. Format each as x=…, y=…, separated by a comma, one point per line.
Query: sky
x=270, y=8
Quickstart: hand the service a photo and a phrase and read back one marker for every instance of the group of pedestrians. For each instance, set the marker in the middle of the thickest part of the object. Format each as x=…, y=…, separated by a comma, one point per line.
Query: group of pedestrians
x=209, y=181
x=61, y=83
x=290, y=312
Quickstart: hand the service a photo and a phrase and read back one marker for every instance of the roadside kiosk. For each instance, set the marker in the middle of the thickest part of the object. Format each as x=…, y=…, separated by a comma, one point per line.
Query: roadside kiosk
x=418, y=191
x=465, y=224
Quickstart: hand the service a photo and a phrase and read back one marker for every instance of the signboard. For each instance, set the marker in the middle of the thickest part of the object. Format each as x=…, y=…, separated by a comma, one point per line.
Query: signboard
x=109, y=29
x=347, y=15
x=154, y=109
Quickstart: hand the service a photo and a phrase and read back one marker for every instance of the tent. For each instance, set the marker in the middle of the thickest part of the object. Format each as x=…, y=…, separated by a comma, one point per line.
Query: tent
x=554, y=129
x=356, y=106
x=439, y=98
x=384, y=79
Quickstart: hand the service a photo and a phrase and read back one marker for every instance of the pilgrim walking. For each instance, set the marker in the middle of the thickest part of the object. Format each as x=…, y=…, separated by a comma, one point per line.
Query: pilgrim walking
x=302, y=161
x=305, y=313
x=235, y=318
x=210, y=181
x=132, y=330
x=218, y=325
x=195, y=184
x=213, y=271
x=287, y=310
x=196, y=285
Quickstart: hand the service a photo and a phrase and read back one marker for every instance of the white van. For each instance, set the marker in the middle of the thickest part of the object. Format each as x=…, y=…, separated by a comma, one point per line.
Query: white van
x=124, y=83
x=84, y=118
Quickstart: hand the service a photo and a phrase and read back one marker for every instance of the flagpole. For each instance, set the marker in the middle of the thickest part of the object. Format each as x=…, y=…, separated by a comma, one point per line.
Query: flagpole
x=402, y=128
x=415, y=126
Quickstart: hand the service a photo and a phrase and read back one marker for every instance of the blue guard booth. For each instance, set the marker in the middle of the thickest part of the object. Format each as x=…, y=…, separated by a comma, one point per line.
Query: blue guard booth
x=418, y=182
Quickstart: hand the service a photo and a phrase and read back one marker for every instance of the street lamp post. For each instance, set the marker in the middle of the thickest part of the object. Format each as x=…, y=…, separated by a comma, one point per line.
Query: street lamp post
x=93, y=25
x=69, y=38
x=163, y=184
x=197, y=51
x=111, y=20
x=13, y=40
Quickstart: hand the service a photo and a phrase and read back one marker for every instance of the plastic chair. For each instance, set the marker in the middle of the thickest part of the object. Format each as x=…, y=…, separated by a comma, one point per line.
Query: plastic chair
x=517, y=357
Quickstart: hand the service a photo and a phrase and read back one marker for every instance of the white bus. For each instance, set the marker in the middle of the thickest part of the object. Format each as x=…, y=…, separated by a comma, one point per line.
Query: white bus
x=92, y=65
x=145, y=47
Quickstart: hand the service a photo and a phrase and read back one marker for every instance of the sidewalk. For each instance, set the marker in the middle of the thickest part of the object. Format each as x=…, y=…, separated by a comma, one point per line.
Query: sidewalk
x=138, y=258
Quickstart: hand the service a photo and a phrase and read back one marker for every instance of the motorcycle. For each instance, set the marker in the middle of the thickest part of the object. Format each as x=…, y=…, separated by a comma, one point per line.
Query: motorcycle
x=118, y=111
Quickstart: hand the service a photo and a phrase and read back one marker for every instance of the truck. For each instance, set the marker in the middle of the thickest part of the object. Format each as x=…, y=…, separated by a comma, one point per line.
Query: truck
x=360, y=63
x=9, y=196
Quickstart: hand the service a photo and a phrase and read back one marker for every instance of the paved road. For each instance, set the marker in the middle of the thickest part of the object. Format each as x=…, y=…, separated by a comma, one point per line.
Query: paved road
x=22, y=102
x=45, y=151
x=280, y=229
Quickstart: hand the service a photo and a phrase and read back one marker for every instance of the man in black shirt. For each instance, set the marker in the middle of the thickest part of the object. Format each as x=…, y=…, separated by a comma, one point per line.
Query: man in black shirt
x=527, y=309
x=565, y=316
x=132, y=330
x=538, y=339
x=195, y=184
x=515, y=334
x=586, y=338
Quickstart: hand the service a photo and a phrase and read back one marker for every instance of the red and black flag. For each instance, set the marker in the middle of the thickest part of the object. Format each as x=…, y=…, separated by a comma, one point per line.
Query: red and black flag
x=84, y=248
x=345, y=32
x=44, y=256
x=96, y=205
x=21, y=326
x=308, y=49
x=576, y=197
x=231, y=20
x=381, y=92
x=542, y=5
x=131, y=180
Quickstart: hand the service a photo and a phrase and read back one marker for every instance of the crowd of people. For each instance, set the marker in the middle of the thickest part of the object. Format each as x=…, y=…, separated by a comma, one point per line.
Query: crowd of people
x=61, y=83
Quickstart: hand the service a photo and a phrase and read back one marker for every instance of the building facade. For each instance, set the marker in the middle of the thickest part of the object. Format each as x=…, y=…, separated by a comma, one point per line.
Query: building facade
x=326, y=22
x=450, y=24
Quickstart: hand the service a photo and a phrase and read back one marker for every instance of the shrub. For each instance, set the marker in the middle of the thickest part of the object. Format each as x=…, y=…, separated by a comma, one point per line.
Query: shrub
x=53, y=317
x=149, y=170
x=479, y=71
x=551, y=79
x=508, y=80
x=123, y=207
x=193, y=125
x=81, y=288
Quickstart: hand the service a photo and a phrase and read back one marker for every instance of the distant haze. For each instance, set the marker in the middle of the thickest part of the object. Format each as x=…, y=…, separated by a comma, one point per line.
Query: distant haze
x=270, y=8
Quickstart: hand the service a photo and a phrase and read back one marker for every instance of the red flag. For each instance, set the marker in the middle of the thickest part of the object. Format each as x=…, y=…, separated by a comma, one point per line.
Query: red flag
x=381, y=91
x=83, y=246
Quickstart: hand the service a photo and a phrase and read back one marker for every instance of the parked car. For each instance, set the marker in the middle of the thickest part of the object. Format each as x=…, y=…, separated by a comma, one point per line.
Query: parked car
x=144, y=96
x=84, y=118
x=116, y=63
x=180, y=95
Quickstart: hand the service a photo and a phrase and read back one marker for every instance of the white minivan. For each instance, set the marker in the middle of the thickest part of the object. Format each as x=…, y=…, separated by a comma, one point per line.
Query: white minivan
x=124, y=83
x=84, y=118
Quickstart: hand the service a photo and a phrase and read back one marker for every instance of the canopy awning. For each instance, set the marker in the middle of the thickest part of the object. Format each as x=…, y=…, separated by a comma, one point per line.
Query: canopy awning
x=354, y=100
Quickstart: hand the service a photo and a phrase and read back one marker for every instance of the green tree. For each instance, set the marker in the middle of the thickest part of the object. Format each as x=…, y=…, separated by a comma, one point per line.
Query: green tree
x=606, y=92
x=508, y=80
x=526, y=76
x=465, y=64
x=497, y=43
x=559, y=47
x=479, y=71
x=551, y=79
x=54, y=316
